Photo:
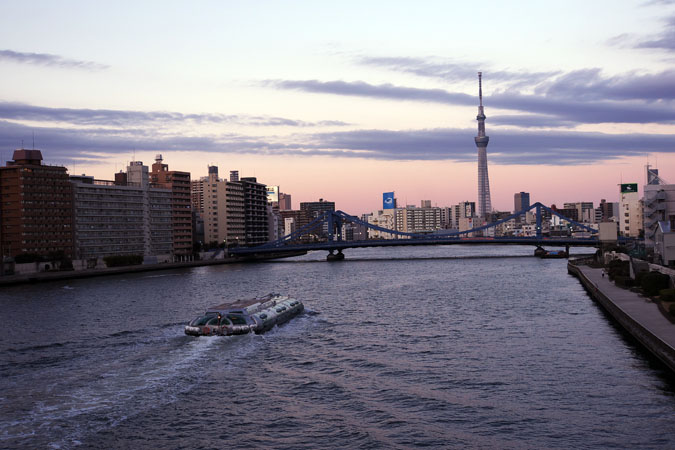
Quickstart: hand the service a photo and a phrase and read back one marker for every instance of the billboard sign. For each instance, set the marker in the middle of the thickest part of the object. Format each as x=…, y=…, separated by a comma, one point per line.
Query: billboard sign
x=629, y=187
x=272, y=194
x=388, y=200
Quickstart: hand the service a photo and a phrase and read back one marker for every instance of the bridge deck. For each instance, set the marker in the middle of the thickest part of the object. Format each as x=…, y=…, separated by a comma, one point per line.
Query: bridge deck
x=341, y=245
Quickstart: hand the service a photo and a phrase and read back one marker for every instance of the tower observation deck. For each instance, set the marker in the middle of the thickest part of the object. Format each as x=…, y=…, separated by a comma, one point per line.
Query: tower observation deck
x=484, y=204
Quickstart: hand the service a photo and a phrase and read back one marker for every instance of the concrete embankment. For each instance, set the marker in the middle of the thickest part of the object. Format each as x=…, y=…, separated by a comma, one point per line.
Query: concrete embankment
x=38, y=277
x=638, y=315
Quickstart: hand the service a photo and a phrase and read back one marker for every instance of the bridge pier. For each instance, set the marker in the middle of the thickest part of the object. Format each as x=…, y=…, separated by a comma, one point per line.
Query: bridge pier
x=539, y=251
x=339, y=256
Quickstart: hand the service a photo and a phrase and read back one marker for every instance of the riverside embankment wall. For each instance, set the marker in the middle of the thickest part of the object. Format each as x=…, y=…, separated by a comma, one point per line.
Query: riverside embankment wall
x=657, y=339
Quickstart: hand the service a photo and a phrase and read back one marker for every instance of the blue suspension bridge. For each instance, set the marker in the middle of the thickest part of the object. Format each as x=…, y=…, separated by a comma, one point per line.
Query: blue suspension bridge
x=330, y=224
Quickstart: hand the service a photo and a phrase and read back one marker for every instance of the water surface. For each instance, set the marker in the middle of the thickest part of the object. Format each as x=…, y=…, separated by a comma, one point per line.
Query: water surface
x=398, y=347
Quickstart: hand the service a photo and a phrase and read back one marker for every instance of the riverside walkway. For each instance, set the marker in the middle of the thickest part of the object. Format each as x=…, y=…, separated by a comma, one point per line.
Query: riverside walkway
x=637, y=314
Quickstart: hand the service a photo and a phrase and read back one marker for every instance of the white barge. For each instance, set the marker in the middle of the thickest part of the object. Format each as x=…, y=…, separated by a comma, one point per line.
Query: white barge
x=255, y=315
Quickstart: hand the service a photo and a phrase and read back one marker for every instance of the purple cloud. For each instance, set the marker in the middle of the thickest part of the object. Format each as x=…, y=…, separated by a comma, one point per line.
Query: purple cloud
x=46, y=59
x=383, y=91
x=665, y=40
x=565, y=103
x=506, y=146
x=122, y=118
x=452, y=71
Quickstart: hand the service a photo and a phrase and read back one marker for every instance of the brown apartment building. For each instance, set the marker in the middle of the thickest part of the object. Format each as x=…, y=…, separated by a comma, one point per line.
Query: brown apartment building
x=36, y=207
x=179, y=183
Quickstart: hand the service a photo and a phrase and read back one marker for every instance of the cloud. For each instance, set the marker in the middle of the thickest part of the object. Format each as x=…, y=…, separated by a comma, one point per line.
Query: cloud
x=531, y=121
x=452, y=71
x=590, y=85
x=569, y=101
x=659, y=2
x=506, y=146
x=122, y=118
x=46, y=59
x=384, y=91
x=665, y=40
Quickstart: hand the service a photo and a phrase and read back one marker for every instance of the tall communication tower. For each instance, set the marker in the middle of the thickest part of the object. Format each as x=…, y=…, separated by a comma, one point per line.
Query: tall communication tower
x=484, y=204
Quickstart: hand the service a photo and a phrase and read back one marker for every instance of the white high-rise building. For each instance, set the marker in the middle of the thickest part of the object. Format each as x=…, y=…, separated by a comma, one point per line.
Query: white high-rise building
x=630, y=211
x=659, y=204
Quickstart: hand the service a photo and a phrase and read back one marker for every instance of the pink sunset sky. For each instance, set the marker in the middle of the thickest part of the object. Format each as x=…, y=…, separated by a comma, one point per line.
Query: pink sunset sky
x=327, y=102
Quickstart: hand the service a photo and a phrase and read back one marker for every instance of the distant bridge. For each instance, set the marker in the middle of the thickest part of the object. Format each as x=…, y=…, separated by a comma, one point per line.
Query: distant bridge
x=332, y=221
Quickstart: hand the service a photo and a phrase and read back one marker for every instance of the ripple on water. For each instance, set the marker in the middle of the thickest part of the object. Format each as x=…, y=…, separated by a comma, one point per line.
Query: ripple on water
x=440, y=351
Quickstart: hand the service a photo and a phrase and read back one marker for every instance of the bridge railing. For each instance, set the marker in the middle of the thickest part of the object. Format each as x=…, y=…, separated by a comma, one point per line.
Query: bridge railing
x=334, y=220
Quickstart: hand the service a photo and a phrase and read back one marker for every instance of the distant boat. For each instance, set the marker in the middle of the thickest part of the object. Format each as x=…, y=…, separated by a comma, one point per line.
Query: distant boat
x=554, y=254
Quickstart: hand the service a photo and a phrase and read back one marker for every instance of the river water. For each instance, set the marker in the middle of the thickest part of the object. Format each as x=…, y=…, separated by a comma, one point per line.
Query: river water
x=444, y=347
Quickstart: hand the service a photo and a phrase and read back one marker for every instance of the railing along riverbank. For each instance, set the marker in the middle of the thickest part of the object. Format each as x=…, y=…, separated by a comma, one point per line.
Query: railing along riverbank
x=636, y=314
x=37, y=277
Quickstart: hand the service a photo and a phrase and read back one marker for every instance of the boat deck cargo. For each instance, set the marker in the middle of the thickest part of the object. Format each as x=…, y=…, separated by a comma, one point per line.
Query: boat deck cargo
x=255, y=315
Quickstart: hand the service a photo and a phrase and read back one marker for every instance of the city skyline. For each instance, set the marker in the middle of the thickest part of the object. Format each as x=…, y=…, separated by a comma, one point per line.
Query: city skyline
x=347, y=103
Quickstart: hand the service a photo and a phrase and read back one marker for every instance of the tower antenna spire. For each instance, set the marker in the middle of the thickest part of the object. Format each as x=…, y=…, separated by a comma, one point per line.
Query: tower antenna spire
x=480, y=88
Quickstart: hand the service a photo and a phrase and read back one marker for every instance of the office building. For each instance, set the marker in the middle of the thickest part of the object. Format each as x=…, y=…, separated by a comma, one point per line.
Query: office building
x=294, y=220
x=584, y=211
x=631, y=211
x=122, y=217
x=197, y=189
x=418, y=220
x=179, y=185
x=285, y=202
x=36, y=211
x=317, y=209
x=463, y=210
x=608, y=211
x=385, y=219
x=255, y=211
x=235, y=211
x=658, y=202
x=521, y=201
x=224, y=211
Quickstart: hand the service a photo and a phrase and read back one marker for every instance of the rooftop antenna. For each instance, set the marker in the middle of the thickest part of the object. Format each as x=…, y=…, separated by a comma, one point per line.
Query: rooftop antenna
x=21, y=144
x=33, y=140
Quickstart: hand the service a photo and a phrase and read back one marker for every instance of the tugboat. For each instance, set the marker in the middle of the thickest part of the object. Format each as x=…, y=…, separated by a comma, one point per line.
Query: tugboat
x=255, y=315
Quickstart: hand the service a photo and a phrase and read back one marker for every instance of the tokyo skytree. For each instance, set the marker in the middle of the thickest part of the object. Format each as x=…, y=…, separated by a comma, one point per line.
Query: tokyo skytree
x=484, y=204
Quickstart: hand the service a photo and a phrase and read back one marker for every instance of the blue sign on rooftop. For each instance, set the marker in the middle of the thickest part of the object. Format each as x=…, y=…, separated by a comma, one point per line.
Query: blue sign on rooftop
x=388, y=200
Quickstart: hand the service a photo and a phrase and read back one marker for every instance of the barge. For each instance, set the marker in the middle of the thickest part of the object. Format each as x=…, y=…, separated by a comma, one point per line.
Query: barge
x=255, y=315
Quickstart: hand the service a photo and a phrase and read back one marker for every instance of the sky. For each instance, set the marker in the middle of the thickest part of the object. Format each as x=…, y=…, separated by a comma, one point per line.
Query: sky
x=347, y=100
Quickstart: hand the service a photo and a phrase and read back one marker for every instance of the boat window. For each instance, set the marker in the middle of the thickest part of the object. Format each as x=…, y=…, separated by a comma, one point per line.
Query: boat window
x=263, y=316
x=224, y=321
x=237, y=320
x=213, y=321
x=200, y=321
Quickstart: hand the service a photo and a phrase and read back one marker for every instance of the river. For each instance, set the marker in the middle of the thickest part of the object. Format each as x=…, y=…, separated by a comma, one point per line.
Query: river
x=443, y=347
